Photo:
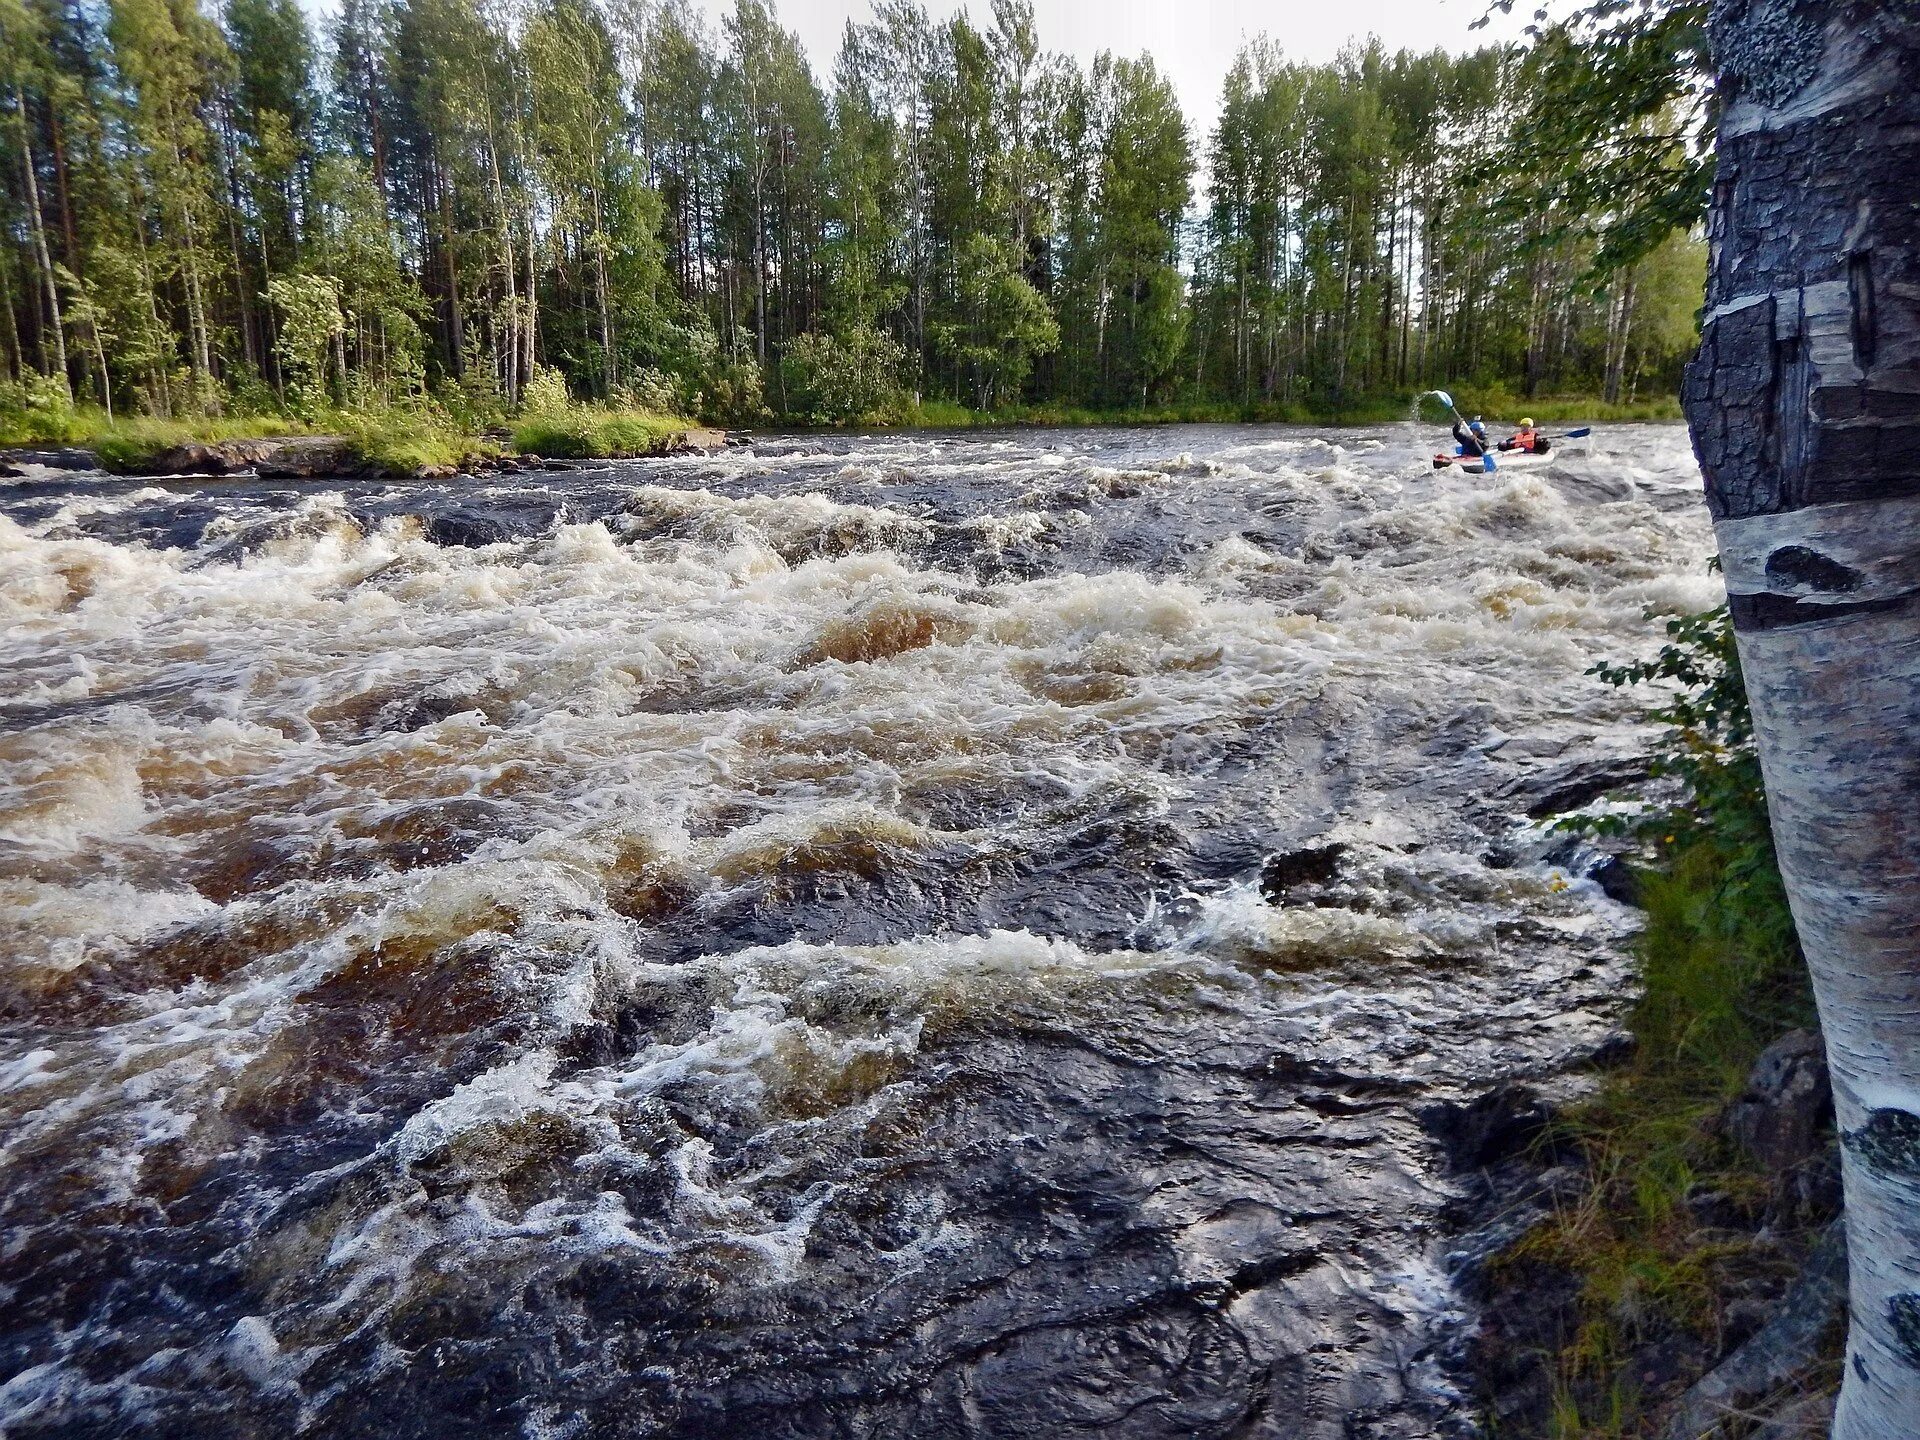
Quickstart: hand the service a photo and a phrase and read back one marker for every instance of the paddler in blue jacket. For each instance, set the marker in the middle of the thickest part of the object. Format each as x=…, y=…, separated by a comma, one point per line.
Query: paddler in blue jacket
x=1471, y=437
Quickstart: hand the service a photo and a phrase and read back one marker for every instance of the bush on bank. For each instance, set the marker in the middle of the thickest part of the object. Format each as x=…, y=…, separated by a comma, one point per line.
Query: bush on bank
x=423, y=434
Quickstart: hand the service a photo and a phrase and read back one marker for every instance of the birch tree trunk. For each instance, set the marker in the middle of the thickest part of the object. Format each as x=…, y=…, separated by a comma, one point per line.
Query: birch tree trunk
x=1805, y=408
x=36, y=226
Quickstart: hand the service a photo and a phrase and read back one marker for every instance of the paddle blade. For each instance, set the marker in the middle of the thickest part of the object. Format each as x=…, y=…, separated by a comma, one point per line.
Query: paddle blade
x=1579, y=434
x=1444, y=398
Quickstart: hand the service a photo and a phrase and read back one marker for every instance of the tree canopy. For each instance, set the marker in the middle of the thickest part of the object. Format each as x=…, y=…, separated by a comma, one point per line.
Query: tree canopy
x=211, y=205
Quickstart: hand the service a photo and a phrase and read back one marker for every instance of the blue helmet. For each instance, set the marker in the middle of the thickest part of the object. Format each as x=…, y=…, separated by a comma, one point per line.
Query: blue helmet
x=1477, y=425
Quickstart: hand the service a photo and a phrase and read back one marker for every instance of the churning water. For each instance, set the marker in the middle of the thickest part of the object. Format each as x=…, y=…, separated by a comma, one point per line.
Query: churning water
x=774, y=945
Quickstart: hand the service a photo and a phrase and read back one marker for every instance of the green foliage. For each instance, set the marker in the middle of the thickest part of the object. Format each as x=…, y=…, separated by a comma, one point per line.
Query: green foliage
x=1004, y=323
x=545, y=393
x=1619, y=122
x=1500, y=404
x=672, y=217
x=654, y=391
x=1722, y=975
x=130, y=445
x=310, y=323
x=412, y=440
x=731, y=390
x=39, y=410
x=1708, y=747
x=844, y=380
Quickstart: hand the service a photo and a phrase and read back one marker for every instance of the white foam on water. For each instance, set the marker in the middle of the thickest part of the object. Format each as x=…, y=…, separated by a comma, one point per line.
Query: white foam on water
x=334, y=759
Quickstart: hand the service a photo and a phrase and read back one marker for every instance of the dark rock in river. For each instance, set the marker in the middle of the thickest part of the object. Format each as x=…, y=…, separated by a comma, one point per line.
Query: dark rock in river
x=1494, y=1127
x=1557, y=789
x=1295, y=869
x=1618, y=879
x=310, y=459
x=14, y=463
x=223, y=457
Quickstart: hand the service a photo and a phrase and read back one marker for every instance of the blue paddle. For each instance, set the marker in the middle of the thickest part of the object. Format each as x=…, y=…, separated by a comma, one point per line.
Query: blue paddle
x=1487, y=467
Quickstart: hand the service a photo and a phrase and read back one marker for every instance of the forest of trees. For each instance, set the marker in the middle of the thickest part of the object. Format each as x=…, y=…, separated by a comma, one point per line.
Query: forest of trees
x=210, y=206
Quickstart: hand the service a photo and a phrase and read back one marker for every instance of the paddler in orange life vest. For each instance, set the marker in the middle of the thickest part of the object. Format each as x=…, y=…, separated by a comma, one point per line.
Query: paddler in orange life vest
x=1527, y=439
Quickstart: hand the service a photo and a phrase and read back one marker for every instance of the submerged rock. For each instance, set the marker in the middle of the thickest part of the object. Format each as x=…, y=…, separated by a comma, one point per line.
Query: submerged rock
x=1557, y=789
x=15, y=464
x=1297, y=869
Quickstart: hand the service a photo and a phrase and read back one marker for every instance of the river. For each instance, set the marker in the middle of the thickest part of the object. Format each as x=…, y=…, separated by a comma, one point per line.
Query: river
x=774, y=945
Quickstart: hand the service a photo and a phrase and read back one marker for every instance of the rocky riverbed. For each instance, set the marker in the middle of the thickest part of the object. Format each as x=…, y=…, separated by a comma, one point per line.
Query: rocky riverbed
x=995, y=935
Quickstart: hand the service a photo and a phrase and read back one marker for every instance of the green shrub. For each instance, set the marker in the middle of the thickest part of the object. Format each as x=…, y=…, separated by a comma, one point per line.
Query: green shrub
x=39, y=410
x=653, y=391
x=732, y=391
x=545, y=393
x=844, y=380
x=411, y=440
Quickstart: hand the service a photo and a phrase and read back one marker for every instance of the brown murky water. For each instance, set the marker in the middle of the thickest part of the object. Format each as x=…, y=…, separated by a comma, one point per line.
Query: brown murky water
x=773, y=945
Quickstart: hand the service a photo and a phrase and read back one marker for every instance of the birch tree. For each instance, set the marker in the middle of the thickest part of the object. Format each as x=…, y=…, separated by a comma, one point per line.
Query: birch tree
x=1805, y=405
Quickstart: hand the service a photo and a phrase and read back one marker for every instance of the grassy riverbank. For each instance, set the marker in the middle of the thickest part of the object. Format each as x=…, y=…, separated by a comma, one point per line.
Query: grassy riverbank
x=1677, y=1231
x=399, y=441
x=407, y=439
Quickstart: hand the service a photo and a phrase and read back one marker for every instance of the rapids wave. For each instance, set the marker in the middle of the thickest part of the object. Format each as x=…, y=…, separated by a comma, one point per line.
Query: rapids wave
x=773, y=944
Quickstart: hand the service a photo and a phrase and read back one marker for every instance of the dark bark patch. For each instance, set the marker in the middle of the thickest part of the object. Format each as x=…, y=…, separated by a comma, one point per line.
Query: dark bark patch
x=1889, y=1142
x=1754, y=613
x=1904, y=1312
x=1768, y=48
x=1866, y=325
x=1801, y=568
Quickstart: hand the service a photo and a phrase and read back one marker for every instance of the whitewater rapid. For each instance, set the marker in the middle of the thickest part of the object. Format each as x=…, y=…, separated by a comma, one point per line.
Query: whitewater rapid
x=774, y=943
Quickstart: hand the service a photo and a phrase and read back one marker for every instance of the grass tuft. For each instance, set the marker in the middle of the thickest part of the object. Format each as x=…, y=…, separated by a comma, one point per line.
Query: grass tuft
x=592, y=433
x=411, y=442
x=126, y=445
x=1723, y=976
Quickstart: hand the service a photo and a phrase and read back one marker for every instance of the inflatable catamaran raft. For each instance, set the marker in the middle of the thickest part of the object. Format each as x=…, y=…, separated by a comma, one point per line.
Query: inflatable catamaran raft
x=1490, y=458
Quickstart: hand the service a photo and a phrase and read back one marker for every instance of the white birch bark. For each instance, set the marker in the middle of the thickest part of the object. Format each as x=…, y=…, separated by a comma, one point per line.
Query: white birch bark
x=1805, y=406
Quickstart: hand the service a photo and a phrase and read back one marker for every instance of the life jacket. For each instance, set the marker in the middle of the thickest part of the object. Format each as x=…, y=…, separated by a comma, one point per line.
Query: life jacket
x=1527, y=440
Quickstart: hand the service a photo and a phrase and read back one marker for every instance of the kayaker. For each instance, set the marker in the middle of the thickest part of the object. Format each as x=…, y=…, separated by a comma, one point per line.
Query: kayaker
x=1471, y=437
x=1527, y=439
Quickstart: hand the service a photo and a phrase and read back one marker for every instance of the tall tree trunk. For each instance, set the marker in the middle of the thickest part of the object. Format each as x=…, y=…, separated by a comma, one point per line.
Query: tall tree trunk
x=15, y=359
x=1619, y=329
x=456, y=318
x=529, y=333
x=1803, y=403
x=36, y=225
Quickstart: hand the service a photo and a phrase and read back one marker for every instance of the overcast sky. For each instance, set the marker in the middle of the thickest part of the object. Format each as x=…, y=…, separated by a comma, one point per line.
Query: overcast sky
x=1192, y=41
